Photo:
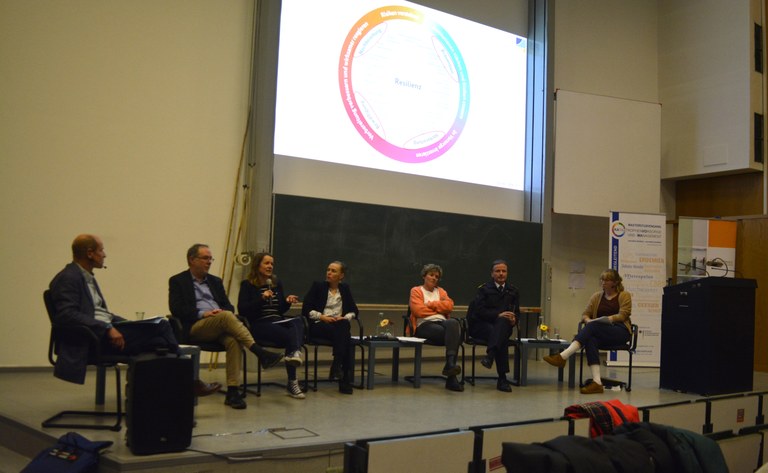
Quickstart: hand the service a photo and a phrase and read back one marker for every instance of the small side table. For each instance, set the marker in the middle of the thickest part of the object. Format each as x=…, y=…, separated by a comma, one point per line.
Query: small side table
x=521, y=361
x=395, y=345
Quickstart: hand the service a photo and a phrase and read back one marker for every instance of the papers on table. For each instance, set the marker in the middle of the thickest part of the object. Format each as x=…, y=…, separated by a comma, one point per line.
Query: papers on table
x=153, y=320
x=539, y=340
x=400, y=339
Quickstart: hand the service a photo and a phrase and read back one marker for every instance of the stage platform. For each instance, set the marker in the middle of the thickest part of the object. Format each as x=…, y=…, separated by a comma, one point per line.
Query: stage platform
x=279, y=434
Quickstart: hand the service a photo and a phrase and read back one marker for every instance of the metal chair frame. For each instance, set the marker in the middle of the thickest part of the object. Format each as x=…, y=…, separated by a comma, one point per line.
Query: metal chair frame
x=408, y=328
x=630, y=347
x=259, y=383
x=317, y=342
x=96, y=358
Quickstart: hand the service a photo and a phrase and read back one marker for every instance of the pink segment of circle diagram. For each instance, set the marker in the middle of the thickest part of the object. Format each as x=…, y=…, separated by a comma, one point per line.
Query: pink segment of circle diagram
x=421, y=146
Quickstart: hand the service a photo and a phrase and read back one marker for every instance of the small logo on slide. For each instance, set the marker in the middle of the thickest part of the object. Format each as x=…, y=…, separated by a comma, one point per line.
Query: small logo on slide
x=618, y=229
x=404, y=84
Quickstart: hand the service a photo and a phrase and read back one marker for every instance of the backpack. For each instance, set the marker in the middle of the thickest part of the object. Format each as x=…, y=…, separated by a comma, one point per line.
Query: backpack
x=72, y=453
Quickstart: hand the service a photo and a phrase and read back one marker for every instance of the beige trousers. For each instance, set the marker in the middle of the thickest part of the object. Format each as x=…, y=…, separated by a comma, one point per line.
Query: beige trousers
x=226, y=329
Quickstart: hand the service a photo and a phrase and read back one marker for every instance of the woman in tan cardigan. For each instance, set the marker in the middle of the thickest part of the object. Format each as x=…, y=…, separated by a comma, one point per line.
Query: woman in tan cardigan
x=606, y=322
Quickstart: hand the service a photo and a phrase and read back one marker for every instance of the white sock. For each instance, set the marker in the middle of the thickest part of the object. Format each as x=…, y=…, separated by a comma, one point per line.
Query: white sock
x=596, y=374
x=572, y=348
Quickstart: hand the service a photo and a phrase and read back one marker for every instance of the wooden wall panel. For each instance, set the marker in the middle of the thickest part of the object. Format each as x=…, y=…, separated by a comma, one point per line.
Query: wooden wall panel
x=752, y=262
x=722, y=196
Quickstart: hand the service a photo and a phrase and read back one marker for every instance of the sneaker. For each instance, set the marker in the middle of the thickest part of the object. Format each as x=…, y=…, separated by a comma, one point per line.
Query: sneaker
x=234, y=400
x=294, y=390
x=294, y=359
x=592, y=388
x=269, y=359
x=555, y=360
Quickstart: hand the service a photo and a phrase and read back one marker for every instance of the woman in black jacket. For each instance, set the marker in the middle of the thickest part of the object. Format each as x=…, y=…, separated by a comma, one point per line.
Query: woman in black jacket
x=329, y=307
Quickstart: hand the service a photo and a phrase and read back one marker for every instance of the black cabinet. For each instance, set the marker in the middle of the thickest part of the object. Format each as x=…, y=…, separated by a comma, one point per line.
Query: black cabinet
x=707, y=336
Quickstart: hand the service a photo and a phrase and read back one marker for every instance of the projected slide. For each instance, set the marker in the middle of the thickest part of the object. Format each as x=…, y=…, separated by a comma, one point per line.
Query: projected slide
x=404, y=84
x=398, y=87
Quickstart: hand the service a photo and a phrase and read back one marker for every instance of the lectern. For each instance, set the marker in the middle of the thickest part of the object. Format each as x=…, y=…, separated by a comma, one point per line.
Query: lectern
x=707, y=336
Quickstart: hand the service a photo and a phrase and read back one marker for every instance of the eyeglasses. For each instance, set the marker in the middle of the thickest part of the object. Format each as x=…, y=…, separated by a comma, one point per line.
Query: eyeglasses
x=206, y=258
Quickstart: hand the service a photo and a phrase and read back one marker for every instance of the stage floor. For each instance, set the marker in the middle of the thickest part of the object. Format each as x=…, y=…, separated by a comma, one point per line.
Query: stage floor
x=277, y=433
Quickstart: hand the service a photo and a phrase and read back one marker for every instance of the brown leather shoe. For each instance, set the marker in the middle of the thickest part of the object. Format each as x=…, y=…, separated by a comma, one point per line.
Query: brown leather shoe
x=592, y=388
x=555, y=360
x=204, y=389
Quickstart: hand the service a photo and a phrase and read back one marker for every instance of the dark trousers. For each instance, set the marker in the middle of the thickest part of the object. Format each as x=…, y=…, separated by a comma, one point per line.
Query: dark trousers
x=497, y=336
x=340, y=336
x=142, y=337
x=288, y=334
x=442, y=332
x=596, y=334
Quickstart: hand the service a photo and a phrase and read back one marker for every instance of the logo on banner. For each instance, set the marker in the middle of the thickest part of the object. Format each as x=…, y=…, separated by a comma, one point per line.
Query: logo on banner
x=618, y=230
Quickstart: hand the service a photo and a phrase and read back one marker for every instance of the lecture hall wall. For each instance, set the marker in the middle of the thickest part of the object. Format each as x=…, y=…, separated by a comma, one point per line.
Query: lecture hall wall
x=126, y=120
x=123, y=119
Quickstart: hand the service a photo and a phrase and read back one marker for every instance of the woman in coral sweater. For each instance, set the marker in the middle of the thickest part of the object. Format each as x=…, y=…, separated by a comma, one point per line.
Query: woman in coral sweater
x=430, y=309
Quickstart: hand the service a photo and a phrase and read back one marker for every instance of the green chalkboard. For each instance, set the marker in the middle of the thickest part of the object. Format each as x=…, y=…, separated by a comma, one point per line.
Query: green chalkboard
x=385, y=248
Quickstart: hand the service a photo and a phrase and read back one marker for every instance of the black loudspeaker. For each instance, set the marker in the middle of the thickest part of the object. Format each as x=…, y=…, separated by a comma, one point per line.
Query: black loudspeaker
x=707, y=336
x=159, y=404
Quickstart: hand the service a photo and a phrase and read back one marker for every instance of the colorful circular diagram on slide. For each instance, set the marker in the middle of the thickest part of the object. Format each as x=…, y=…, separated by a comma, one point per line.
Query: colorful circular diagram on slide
x=404, y=84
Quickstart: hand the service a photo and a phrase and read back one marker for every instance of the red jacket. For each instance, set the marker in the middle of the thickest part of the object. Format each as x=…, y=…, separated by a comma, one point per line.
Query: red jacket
x=603, y=415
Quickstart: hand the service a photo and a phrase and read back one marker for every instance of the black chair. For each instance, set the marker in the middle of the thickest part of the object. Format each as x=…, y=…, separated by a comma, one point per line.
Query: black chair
x=317, y=342
x=474, y=342
x=83, y=334
x=409, y=329
x=629, y=347
x=269, y=344
x=211, y=347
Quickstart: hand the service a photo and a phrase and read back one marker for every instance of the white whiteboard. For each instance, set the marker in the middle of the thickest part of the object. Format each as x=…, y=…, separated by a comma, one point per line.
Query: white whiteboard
x=607, y=155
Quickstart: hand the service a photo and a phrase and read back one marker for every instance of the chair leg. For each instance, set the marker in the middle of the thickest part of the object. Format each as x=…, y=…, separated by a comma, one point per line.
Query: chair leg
x=627, y=386
x=259, y=369
x=306, y=368
x=314, y=379
x=244, y=390
x=471, y=379
x=258, y=378
x=362, y=369
x=411, y=379
x=316, y=363
x=119, y=389
x=101, y=380
x=465, y=378
x=51, y=422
